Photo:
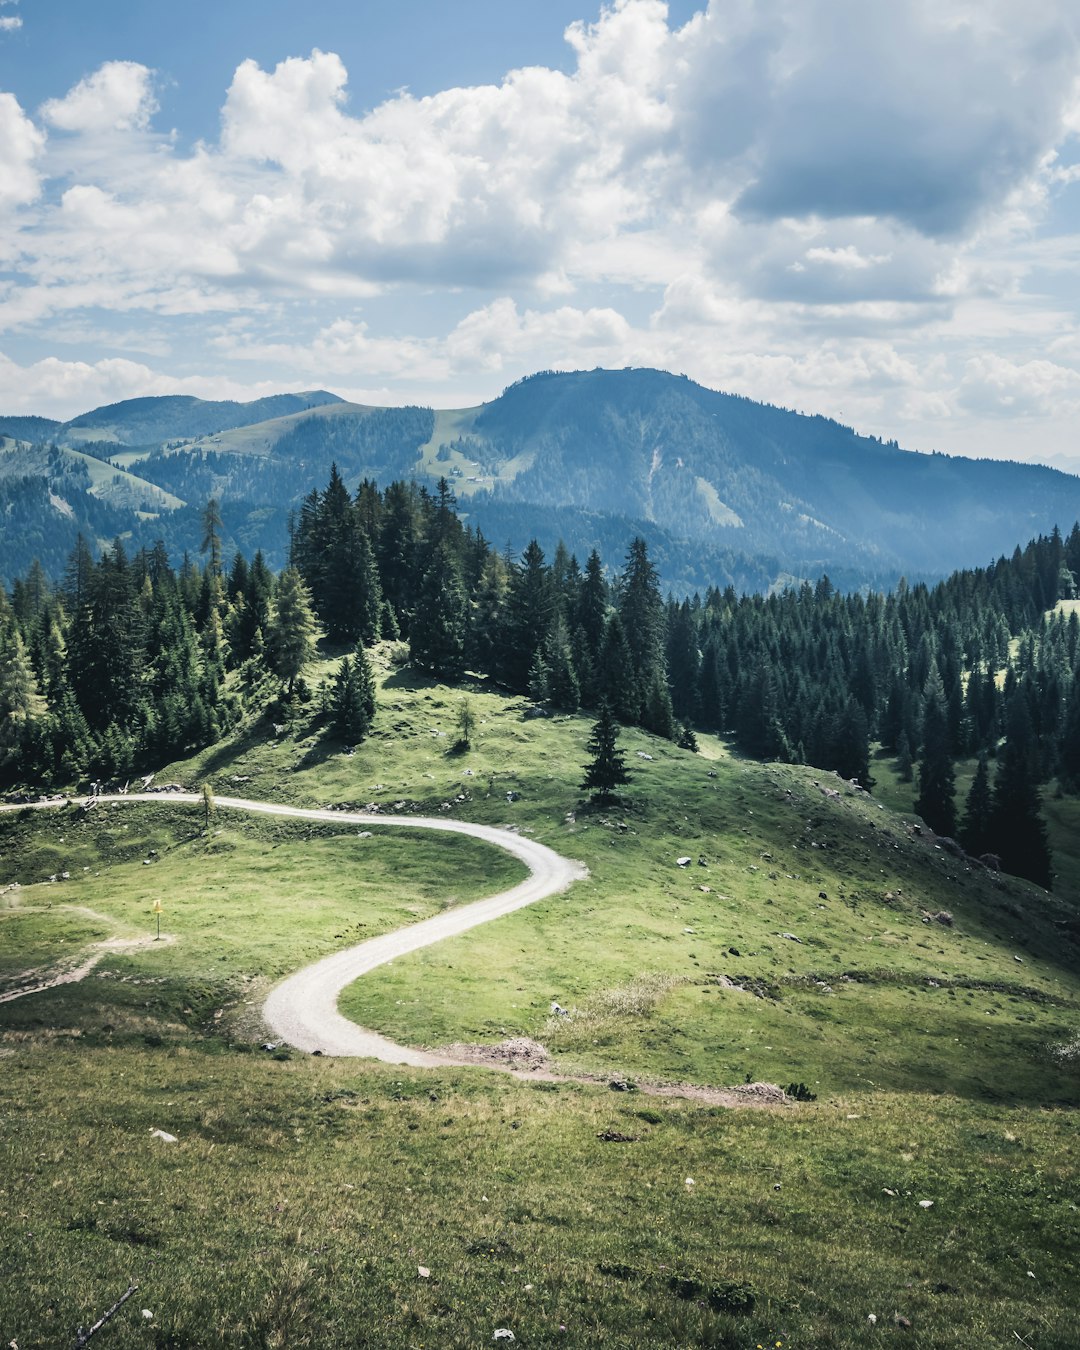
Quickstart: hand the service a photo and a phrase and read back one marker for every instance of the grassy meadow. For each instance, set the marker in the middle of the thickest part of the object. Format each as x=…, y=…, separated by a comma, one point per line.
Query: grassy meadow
x=926, y=1005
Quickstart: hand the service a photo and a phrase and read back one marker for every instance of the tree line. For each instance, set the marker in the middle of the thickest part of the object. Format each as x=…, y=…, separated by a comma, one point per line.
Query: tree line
x=130, y=662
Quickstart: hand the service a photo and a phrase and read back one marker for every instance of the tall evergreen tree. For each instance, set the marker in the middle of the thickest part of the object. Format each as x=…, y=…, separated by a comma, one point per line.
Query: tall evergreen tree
x=348, y=716
x=437, y=632
x=616, y=679
x=607, y=770
x=1016, y=822
x=937, y=780
x=291, y=638
x=976, y=828
x=641, y=609
x=21, y=705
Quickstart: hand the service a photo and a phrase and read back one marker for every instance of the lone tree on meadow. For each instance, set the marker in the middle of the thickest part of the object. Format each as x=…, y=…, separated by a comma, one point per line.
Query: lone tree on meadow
x=606, y=770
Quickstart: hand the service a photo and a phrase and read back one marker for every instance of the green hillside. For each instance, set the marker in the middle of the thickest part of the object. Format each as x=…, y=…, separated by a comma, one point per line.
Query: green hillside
x=931, y=1007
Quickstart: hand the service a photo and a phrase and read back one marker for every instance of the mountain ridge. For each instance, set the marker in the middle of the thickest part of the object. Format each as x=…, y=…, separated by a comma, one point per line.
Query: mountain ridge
x=768, y=491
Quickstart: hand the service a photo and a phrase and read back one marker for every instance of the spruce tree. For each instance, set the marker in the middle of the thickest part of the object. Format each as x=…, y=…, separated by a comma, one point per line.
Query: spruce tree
x=606, y=770
x=937, y=782
x=976, y=829
x=616, y=681
x=21, y=704
x=1016, y=823
x=641, y=609
x=349, y=720
x=656, y=711
x=291, y=637
x=563, y=689
x=437, y=631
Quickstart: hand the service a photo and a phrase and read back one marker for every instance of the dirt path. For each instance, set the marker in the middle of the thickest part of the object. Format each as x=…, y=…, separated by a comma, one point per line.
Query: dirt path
x=302, y=1010
x=75, y=969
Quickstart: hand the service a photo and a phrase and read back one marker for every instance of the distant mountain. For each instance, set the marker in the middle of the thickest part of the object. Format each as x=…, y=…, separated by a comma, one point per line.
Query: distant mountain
x=149, y=421
x=726, y=490
x=761, y=480
x=28, y=428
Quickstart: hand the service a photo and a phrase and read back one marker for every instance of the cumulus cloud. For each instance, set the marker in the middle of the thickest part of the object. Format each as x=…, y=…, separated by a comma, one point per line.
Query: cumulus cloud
x=20, y=145
x=783, y=196
x=927, y=114
x=118, y=96
x=996, y=386
x=67, y=388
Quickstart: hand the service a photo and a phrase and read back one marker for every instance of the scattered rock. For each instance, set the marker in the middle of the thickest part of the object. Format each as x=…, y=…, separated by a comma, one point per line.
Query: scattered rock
x=614, y=1137
x=164, y=1136
x=684, y=862
x=519, y=1052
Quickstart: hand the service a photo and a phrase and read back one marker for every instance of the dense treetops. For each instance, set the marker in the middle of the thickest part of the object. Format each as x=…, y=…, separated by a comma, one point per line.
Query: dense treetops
x=131, y=662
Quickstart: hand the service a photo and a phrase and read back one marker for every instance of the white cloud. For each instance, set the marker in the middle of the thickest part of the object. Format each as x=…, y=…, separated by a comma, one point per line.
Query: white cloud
x=20, y=145
x=996, y=386
x=9, y=23
x=116, y=97
x=67, y=388
x=821, y=202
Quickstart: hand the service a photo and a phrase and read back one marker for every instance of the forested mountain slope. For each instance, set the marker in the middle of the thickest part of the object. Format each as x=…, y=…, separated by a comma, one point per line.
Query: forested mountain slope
x=724, y=489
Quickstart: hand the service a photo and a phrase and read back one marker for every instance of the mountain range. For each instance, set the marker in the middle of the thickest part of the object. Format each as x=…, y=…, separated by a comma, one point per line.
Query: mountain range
x=726, y=490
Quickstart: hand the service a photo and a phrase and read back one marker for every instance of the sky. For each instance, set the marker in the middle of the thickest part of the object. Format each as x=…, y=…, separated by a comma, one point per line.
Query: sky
x=870, y=211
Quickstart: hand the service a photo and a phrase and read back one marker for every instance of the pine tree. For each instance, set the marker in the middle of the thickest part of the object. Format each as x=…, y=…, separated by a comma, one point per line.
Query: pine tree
x=616, y=681
x=348, y=716
x=437, y=631
x=529, y=612
x=563, y=689
x=937, y=781
x=606, y=770
x=641, y=609
x=21, y=705
x=976, y=829
x=212, y=527
x=290, y=639
x=656, y=711
x=1016, y=823
x=365, y=680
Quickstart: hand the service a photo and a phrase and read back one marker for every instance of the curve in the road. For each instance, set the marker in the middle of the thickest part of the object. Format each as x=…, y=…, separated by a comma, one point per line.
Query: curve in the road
x=302, y=1009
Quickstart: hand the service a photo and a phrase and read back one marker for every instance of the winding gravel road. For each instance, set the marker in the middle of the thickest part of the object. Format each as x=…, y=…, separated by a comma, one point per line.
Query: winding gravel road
x=302, y=1010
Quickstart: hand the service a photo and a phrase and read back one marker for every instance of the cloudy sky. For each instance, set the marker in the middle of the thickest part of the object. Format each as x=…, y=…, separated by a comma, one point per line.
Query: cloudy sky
x=867, y=210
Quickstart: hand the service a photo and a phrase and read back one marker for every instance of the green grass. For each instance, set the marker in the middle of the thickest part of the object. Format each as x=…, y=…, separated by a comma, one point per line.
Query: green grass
x=245, y=904
x=301, y=1198
x=303, y=1194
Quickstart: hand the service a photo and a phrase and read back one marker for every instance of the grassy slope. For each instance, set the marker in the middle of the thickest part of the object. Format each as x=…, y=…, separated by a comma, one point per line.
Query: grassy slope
x=303, y=1195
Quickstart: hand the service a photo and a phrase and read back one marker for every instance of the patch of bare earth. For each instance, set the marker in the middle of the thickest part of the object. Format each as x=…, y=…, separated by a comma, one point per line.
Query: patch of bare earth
x=71, y=972
x=528, y=1059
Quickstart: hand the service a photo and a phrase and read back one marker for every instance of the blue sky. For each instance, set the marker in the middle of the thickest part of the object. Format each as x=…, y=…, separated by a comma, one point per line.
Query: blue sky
x=867, y=211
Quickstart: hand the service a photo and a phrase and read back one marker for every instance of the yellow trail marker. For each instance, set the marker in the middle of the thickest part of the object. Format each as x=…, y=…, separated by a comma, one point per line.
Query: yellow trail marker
x=157, y=915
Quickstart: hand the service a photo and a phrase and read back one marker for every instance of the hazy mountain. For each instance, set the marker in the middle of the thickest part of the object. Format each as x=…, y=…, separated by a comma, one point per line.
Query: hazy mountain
x=28, y=428
x=725, y=489
x=148, y=421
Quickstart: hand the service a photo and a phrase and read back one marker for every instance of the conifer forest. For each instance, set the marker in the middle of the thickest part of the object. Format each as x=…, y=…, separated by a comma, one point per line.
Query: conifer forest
x=130, y=661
